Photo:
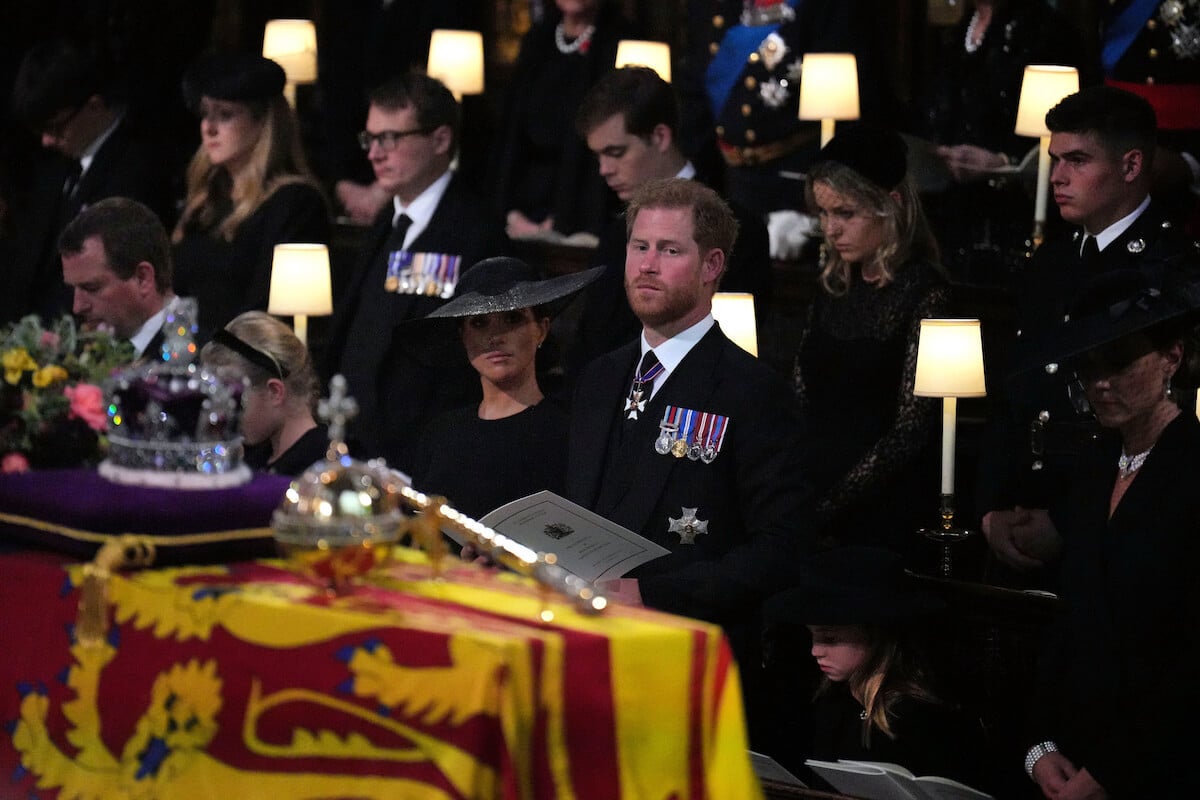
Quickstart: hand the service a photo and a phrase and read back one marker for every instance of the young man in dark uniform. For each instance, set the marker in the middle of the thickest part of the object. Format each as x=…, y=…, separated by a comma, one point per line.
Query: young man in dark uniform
x=1102, y=146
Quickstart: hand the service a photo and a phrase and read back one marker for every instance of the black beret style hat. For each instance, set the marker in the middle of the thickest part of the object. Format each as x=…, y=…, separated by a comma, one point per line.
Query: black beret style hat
x=233, y=76
x=878, y=154
x=851, y=586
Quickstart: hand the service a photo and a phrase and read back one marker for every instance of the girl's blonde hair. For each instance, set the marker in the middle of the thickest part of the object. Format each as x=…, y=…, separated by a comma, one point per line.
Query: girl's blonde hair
x=889, y=675
x=277, y=160
x=276, y=341
x=907, y=234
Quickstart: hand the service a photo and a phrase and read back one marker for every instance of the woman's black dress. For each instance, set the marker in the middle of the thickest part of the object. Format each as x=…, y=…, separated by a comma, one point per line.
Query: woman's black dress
x=871, y=441
x=481, y=464
x=229, y=277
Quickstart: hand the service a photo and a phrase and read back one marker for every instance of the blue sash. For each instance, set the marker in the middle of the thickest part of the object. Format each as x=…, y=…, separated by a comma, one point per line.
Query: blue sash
x=1119, y=35
x=726, y=65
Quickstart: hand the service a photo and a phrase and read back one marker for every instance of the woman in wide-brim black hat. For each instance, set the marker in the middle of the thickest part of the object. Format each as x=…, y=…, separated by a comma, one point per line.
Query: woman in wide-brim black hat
x=1117, y=682
x=514, y=442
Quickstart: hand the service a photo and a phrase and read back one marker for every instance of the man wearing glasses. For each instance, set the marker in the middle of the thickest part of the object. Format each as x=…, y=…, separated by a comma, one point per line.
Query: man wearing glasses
x=93, y=150
x=410, y=139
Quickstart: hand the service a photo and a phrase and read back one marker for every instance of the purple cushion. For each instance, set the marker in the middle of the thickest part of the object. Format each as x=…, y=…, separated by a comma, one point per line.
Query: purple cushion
x=70, y=510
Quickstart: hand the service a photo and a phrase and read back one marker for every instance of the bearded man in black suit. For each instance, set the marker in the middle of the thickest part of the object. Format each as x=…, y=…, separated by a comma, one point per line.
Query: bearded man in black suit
x=686, y=439
x=410, y=139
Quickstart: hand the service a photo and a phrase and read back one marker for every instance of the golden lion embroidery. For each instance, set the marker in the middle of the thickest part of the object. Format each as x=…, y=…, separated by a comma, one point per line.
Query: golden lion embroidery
x=166, y=756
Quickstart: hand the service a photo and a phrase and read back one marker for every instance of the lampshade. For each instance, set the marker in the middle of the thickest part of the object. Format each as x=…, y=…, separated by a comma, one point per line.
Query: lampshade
x=300, y=280
x=292, y=43
x=829, y=86
x=1041, y=88
x=640, y=53
x=950, y=359
x=735, y=312
x=456, y=59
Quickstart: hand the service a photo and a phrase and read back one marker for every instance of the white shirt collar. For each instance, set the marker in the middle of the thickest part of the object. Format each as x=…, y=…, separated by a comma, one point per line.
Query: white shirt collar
x=671, y=352
x=89, y=155
x=1105, y=237
x=687, y=171
x=421, y=209
x=150, y=328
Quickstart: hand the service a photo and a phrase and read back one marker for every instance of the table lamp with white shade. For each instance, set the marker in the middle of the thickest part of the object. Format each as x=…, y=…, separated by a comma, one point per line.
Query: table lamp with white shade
x=1042, y=87
x=300, y=285
x=828, y=90
x=641, y=53
x=292, y=44
x=735, y=313
x=456, y=59
x=949, y=366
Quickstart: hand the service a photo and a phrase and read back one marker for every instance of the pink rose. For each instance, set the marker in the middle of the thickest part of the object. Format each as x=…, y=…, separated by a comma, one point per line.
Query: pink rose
x=87, y=404
x=14, y=462
x=49, y=339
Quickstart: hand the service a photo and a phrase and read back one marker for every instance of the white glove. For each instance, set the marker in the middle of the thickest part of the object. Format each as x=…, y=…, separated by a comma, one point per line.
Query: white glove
x=789, y=231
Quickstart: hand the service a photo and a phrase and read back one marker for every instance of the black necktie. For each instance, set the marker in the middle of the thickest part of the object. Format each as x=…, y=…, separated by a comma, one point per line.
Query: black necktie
x=643, y=385
x=400, y=228
x=1091, y=251
x=74, y=173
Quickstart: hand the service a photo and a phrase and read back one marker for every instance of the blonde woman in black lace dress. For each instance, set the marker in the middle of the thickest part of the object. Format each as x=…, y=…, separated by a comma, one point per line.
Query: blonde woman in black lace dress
x=871, y=441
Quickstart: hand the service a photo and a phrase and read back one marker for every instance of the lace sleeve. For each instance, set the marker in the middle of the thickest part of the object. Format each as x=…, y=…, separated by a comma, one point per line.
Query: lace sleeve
x=797, y=373
x=914, y=420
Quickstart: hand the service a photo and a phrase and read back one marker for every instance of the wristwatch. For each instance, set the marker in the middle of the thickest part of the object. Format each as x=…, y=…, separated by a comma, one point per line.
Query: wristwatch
x=1035, y=754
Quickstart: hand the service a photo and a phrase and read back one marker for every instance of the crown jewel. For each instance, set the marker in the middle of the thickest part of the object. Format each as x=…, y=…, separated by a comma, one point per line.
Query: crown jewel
x=173, y=423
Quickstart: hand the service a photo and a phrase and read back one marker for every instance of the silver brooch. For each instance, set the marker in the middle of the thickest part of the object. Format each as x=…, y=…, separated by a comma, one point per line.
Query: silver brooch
x=1136, y=246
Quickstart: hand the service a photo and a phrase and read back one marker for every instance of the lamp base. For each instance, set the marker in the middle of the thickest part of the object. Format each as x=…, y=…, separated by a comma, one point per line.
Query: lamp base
x=946, y=537
x=946, y=534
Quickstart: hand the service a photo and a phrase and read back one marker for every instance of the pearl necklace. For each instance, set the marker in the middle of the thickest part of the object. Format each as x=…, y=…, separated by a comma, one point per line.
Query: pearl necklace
x=1127, y=465
x=970, y=43
x=581, y=41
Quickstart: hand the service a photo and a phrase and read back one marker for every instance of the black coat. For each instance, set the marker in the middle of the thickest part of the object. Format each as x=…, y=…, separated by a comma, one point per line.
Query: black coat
x=929, y=738
x=543, y=167
x=130, y=163
x=399, y=389
x=753, y=495
x=1117, y=687
x=229, y=277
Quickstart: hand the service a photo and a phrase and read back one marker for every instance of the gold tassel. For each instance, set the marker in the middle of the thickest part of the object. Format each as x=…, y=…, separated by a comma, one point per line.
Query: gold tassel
x=119, y=552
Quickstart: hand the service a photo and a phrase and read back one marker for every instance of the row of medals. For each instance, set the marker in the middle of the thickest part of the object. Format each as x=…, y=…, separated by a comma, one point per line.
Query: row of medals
x=669, y=442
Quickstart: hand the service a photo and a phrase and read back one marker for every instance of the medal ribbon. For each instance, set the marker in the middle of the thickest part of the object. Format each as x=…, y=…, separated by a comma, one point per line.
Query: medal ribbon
x=685, y=434
x=722, y=426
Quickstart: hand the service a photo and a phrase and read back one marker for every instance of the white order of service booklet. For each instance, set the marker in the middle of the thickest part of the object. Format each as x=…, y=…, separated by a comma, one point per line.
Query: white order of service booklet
x=583, y=542
x=878, y=780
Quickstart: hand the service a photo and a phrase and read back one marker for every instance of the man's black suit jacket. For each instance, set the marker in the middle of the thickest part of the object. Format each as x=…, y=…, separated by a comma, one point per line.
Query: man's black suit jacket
x=402, y=387
x=753, y=495
x=130, y=163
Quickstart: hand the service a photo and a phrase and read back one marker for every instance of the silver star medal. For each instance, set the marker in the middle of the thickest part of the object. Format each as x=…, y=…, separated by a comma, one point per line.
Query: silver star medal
x=774, y=93
x=687, y=526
